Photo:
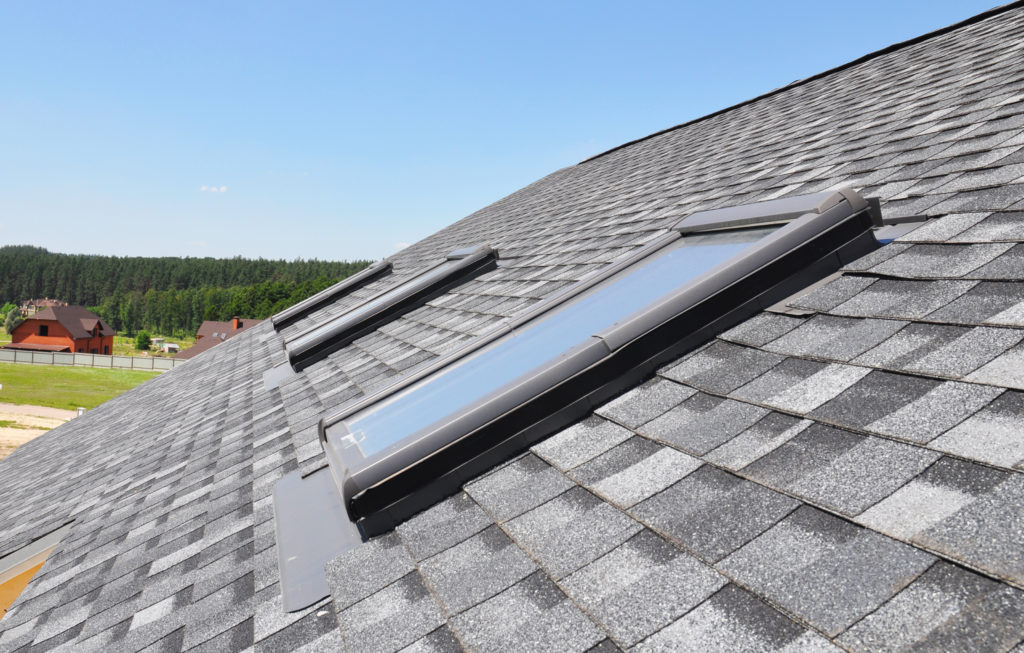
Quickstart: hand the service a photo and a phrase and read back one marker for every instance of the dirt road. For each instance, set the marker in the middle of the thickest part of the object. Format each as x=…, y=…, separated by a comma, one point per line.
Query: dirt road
x=19, y=424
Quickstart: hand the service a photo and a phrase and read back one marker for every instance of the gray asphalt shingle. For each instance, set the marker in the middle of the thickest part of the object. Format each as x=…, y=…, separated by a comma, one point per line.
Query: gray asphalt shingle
x=722, y=367
x=903, y=298
x=947, y=608
x=835, y=338
x=762, y=438
x=570, y=531
x=634, y=471
x=533, y=615
x=521, y=485
x=712, y=512
x=399, y=614
x=994, y=435
x=734, y=620
x=641, y=586
x=838, y=469
x=172, y=542
x=702, y=422
x=475, y=570
x=825, y=570
x=645, y=402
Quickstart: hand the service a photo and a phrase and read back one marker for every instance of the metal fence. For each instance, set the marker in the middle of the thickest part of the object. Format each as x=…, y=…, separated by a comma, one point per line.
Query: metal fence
x=90, y=360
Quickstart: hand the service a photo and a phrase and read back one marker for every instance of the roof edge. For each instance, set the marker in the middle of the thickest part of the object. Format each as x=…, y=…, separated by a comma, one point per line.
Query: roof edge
x=800, y=82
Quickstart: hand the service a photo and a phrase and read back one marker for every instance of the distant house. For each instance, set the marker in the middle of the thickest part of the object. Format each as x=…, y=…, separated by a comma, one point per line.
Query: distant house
x=33, y=306
x=212, y=333
x=170, y=347
x=64, y=328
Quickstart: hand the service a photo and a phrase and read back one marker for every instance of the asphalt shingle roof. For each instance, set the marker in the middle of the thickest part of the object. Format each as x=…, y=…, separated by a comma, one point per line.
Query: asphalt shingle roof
x=851, y=478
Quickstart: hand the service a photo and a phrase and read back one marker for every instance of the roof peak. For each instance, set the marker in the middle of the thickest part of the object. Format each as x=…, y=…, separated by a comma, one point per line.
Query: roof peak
x=806, y=80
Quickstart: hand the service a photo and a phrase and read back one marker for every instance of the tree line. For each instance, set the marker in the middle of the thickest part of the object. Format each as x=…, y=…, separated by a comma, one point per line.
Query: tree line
x=166, y=295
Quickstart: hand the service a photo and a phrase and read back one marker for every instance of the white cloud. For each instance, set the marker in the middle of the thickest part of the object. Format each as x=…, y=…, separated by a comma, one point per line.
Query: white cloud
x=213, y=189
x=401, y=245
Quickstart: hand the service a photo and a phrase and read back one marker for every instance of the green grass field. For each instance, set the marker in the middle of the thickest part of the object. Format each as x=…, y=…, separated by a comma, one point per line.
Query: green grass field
x=65, y=387
x=125, y=346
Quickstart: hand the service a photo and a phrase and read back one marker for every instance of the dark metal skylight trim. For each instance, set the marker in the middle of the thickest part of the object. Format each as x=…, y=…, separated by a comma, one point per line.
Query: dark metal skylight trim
x=835, y=228
x=296, y=312
x=459, y=267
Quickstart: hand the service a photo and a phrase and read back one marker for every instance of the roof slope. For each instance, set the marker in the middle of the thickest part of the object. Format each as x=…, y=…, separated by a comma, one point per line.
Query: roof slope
x=851, y=478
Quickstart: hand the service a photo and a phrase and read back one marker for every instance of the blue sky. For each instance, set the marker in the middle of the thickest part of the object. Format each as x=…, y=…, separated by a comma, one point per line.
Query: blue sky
x=339, y=130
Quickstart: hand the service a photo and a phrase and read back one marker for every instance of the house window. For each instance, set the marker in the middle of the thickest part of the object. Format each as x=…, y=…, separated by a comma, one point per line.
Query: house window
x=44, y=330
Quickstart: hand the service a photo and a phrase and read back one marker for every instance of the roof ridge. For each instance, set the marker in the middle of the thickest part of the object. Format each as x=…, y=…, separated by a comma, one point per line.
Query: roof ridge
x=800, y=82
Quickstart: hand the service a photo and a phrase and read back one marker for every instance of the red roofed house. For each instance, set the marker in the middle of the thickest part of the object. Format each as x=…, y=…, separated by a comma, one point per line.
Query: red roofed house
x=64, y=328
x=212, y=333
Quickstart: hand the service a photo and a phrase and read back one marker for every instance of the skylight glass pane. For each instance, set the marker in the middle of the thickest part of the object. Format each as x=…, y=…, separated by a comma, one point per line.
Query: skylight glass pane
x=543, y=341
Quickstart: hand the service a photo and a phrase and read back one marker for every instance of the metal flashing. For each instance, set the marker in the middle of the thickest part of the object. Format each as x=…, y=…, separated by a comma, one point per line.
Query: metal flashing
x=30, y=555
x=311, y=529
x=275, y=376
x=783, y=209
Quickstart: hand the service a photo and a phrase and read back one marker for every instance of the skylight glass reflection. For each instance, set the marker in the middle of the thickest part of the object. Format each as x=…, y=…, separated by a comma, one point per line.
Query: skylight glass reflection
x=449, y=391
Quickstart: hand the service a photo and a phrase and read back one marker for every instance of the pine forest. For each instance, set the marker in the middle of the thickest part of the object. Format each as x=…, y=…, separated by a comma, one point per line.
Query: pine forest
x=167, y=295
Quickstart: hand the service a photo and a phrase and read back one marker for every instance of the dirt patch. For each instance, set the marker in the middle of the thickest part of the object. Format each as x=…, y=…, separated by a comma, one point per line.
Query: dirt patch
x=19, y=424
x=36, y=411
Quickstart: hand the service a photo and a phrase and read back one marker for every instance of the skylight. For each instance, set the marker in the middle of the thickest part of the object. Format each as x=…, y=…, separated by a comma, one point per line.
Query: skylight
x=296, y=312
x=317, y=343
x=568, y=332
x=397, y=452
x=401, y=450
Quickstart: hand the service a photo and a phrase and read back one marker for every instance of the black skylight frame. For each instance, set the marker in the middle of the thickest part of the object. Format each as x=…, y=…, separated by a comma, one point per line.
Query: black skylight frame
x=322, y=340
x=824, y=231
x=296, y=312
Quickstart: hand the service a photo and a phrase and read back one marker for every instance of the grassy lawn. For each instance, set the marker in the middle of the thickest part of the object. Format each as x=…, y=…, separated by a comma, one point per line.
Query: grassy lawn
x=125, y=346
x=65, y=387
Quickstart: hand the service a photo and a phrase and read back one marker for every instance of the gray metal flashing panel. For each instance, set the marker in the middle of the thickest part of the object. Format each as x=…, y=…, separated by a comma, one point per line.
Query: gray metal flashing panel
x=296, y=312
x=311, y=529
x=466, y=252
x=21, y=560
x=512, y=391
x=783, y=209
x=319, y=342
